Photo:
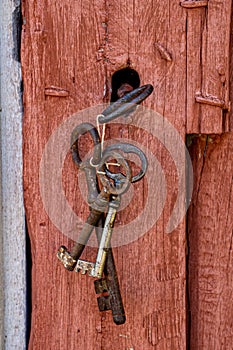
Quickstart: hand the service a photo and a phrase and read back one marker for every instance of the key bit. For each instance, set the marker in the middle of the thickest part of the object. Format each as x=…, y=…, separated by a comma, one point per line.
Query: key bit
x=113, y=300
x=101, y=286
x=85, y=267
x=104, y=303
x=67, y=260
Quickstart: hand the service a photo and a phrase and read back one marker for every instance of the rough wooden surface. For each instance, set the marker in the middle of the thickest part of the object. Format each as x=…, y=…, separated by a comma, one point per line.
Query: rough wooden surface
x=231, y=73
x=210, y=243
x=208, y=38
x=69, y=53
x=12, y=226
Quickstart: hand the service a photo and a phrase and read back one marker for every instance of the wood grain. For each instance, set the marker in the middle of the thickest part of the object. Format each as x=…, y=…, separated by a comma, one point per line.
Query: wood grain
x=210, y=243
x=57, y=52
x=76, y=48
x=231, y=73
x=161, y=297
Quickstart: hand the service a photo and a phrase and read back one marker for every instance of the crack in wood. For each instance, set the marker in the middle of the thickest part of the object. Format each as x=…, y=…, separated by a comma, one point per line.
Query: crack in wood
x=203, y=164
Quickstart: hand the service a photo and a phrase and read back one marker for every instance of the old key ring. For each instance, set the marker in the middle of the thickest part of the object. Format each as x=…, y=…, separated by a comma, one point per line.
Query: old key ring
x=128, y=148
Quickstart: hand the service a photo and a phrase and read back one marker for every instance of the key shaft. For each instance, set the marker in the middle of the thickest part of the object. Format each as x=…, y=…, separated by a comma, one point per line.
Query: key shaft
x=105, y=241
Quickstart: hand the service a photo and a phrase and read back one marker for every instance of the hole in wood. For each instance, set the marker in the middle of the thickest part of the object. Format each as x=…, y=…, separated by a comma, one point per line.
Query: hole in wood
x=124, y=81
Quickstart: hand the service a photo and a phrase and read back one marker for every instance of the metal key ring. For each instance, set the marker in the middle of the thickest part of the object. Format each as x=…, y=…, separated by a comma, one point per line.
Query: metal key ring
x=129, y=148
x=121, y=182
x=76, y=133
x=125, y=103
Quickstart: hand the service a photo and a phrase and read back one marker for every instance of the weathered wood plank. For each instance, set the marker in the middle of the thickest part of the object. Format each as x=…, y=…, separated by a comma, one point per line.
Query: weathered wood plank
x=137, y=31
x=12, y=223
x=69, y=54
x=215, y=73
x=195, y=23
x=57, y=52
x=231, y=73
x=210, y=243
x=208, y=40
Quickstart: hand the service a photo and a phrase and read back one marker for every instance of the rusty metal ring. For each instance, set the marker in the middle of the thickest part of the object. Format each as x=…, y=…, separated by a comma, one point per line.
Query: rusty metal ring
x=79, y=130
x=121, y=182
x=129, y=148
x=126, y=103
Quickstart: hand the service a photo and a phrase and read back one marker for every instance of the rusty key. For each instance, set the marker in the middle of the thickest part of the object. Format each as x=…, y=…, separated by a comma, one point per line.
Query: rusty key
x=109, y=284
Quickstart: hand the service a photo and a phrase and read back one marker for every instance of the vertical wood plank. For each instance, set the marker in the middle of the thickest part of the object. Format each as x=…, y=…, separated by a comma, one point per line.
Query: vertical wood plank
x=210, y=243
x=195, y=22
x=12, y=224
x=58, y=56
x=215, y=74
x=208, y=40
x=231, y=73
x=69, y=54
x=136, y=31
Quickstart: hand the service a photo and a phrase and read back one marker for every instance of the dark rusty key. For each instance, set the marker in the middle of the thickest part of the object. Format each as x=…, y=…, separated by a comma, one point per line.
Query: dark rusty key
x=109, y=284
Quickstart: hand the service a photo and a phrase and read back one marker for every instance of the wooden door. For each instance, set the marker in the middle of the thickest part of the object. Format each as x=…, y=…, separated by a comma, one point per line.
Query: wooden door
x=69, y=54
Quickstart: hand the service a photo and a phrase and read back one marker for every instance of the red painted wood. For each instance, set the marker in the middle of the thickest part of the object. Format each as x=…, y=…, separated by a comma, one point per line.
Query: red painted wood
x=69, y=53
x=231, y=73
x=208, y=38
x=210, y=243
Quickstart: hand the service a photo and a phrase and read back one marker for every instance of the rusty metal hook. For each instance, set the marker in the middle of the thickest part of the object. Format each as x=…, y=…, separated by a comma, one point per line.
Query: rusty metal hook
x=90, y=171
x=81, y=129
x=125, y=103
